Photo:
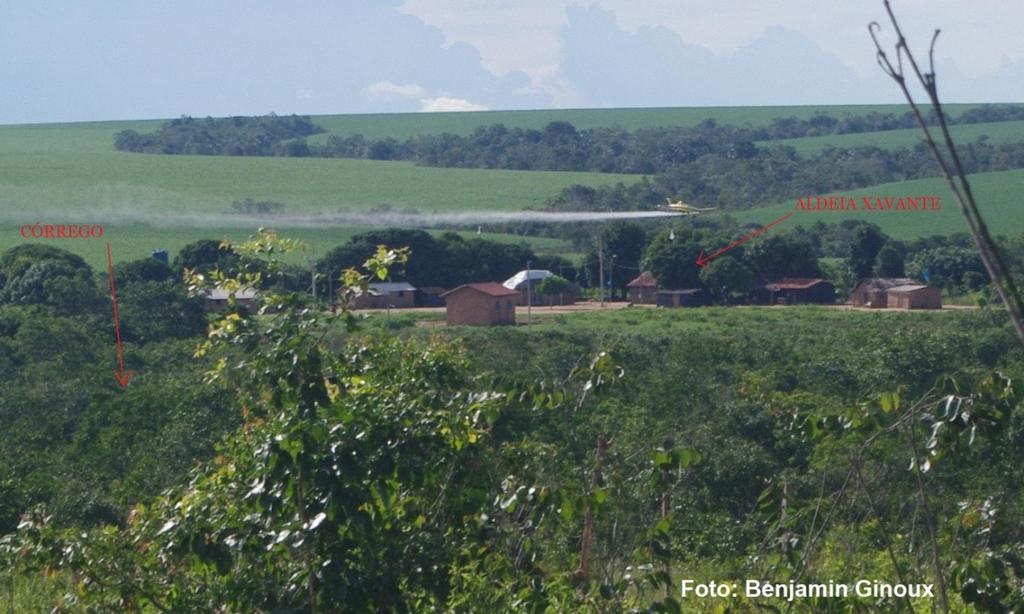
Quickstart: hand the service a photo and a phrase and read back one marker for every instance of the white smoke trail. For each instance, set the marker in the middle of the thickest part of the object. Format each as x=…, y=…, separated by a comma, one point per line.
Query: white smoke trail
x=188, y=219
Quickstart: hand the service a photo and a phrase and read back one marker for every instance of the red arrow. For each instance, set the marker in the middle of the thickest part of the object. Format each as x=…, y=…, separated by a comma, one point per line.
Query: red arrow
x=703, y=260
x=123, y=377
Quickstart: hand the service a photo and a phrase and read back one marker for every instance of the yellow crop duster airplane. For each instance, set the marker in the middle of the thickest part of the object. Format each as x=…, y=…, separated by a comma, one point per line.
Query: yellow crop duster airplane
x=682, y=208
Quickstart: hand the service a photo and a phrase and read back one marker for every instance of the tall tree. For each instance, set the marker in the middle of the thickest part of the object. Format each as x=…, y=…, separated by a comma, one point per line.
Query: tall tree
x=865, y=244
x=889, y=262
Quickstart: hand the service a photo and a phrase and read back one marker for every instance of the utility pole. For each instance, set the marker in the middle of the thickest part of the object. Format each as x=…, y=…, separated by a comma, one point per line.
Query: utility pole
x=600, y=267
x=529, y=297
x=611, y=279
x=312, y=274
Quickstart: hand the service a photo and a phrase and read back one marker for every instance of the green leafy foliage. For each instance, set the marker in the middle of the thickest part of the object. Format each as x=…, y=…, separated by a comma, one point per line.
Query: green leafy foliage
x=418, y=471
x=554, y=284
x=946, y=266
x=153, y=311
x=142, y=270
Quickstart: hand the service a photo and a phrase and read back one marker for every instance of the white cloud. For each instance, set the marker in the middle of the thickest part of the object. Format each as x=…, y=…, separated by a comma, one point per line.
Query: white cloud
x=525, y=35
x=443, y=104
x=387, y=89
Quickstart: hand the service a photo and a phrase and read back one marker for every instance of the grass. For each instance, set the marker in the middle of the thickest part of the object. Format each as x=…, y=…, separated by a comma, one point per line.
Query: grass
x=998, y=195
x=736, y=322
x=997, y=132
x=146, y=183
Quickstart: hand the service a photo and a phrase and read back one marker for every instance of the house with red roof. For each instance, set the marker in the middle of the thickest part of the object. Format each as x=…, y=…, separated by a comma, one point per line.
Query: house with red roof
x=481, y=304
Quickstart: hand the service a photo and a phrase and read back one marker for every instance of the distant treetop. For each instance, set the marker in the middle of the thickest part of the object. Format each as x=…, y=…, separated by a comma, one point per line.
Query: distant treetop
x=222, y=136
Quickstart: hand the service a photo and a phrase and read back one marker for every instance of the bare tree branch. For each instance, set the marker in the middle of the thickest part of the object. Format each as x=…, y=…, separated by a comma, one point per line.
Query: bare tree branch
x=952, y=170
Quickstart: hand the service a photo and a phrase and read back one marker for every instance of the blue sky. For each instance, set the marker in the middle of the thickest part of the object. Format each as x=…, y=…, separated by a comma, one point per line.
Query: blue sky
x=90, y=60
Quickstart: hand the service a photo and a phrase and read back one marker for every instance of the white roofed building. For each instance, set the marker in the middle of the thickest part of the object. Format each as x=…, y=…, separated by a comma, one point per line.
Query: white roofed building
x=526, y=281
x=518, y=281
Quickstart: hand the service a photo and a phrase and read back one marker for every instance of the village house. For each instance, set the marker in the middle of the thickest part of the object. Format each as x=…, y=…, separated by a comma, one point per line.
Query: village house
x=907, y=294
x=385, y=295
x=914, y=296
x=795, y=291
x=481, y=304
x=690, y=297
x=642, y=289
x=217, y=298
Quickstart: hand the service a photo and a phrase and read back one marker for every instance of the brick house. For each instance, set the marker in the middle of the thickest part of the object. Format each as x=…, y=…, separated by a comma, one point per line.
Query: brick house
x=481, y=304
x=913, y=296
x=641, y=290
x=874, y=292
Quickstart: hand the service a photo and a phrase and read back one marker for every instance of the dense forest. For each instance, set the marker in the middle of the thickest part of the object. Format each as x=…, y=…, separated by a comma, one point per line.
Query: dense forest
x=295, y=460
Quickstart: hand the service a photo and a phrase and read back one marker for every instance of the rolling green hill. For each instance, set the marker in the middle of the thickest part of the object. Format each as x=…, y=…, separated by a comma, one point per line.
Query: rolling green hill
x=996, y=132
x=998, y=196
x=98, y=136
x=158, y=184
x=66, y=173
x=58, y=173
x=403, y=125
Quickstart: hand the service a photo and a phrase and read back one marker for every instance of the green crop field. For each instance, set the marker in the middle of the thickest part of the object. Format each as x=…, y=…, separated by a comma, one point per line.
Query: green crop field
x=996, y=132
x=162, y=185
x=65, y=173
x=998, y=196
x=403, y=125
x=98, y=136
x=73, y=167
x=68, y=173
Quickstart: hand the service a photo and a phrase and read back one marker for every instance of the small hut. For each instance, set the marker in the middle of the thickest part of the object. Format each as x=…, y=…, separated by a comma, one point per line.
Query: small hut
x=873, y=292
x=914, y=296
x=642, y=289
x=481, y=304
x=796, y=291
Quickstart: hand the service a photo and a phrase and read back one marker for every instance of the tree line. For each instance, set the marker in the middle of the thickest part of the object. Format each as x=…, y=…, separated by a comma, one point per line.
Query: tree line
x=560, y=146
x=228, y=136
